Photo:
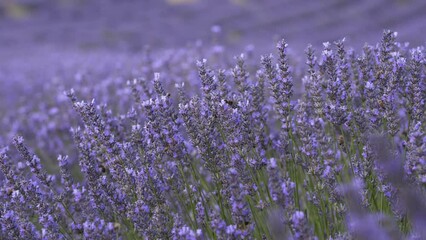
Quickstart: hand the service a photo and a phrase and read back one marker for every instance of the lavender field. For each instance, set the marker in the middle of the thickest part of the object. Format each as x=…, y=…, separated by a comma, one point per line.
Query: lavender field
x=230, y=119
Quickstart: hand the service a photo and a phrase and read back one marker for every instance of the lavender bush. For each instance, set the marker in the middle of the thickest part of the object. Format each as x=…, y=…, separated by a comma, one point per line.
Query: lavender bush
x=223, y=149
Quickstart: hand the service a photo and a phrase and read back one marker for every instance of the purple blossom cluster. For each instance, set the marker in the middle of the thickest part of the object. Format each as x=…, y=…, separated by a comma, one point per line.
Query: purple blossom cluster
x=224, y=149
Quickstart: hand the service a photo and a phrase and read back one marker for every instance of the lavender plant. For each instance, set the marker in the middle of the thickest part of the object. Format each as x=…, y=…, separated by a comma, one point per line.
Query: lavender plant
x=180, y=150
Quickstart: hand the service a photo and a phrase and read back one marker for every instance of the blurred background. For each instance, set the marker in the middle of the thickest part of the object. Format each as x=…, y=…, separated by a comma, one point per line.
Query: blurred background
x=38, y=37
x=128, y=25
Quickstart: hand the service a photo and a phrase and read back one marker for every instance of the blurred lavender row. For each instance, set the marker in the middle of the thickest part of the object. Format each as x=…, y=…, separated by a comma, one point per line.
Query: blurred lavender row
x=38, y=38
x=130, y=25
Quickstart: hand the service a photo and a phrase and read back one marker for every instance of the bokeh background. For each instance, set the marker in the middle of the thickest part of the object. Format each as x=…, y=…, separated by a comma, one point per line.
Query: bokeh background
x=128, y=25
x=38, y=38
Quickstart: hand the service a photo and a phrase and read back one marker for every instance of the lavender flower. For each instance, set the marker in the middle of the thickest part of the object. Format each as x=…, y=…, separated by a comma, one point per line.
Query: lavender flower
x=191, y=155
